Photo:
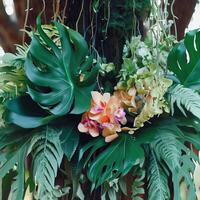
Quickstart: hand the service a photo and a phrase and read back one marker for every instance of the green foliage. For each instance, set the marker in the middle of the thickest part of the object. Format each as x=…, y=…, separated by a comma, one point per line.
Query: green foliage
x=138, y=183
x=184, y=97
x=60, y=79
x=11, y=158
x=18, y=186
x=184, y=58
x=47, y=156
x=116, y=159
x=26, y=113
x=157, y=179
x=60, y=76
x=95, y=5
x=45, y=146
x=109, y=190
x=69, y=139
x=170, y=156
x=141, y=59
x=12, y=77
x=122, y=15
x=16, y=60
x=62, y=72
x=179, y=160
x=2, y=110
x=11, y=82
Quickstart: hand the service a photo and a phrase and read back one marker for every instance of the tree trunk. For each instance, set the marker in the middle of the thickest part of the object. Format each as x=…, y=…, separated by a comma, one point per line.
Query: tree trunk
x=183, y=11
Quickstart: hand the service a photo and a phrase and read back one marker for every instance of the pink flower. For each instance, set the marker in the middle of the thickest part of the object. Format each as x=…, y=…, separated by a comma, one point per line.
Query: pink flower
x=105, y=115
x=88, y=126
x=120, y=116
x=99, y=102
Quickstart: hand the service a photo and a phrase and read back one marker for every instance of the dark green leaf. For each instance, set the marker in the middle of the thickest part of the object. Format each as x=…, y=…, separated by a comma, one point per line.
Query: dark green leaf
x=70, y=139
x=62, y=74
x=24, y=112
x=184, y=60
x=116, y=160
x=60, y=77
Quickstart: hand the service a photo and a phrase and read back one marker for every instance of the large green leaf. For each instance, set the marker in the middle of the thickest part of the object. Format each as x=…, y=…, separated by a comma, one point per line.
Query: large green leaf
x=24, y=112
x=116, y=159
x=18, y=186
x=47, y=156
x=69, y=74
x=61, y=78
x=10, y=158
x=157, y=179
x=119, y=157
x=184, y=60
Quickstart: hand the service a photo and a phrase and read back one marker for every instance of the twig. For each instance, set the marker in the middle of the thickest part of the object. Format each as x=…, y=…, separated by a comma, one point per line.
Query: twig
x=44, y=6
x=57, y=10
x=26, y=20
x=64, y=11
x=174, y=18
x=79, y=15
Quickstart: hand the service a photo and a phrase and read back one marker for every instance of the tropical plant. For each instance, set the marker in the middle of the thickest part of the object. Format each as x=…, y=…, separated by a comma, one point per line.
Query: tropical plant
x=144, y=126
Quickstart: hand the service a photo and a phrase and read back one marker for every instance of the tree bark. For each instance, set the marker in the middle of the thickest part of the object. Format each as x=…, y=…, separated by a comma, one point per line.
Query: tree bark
x=183, y=11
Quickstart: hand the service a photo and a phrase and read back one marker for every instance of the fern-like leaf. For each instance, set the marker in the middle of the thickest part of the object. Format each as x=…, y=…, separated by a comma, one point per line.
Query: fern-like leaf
x=157, y=179
x=17, y=187
x=12, y=75
x=16, y=60
x=15, y=158
x=138, y=184
x=179, y=160
x=185, y=97
x=47, y=157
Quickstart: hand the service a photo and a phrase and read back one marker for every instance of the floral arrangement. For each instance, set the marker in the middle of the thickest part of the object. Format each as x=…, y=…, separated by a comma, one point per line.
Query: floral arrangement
x=58, y=119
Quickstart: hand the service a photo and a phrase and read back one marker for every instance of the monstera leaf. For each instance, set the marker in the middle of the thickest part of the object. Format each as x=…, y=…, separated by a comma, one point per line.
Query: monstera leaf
x=184, y=60
x=26, y=113
x=68, y=76
x=119, y=157
x=116, y=159
x=61, y=77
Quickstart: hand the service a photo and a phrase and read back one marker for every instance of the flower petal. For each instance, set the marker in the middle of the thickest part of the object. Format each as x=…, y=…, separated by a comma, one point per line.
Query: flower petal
x=110, y=138
x=96, y=97
x=106, y=97
x=94, y=132
x=82, y=128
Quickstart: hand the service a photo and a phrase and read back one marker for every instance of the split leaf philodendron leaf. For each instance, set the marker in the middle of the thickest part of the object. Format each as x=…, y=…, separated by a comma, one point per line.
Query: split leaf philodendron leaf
x=69, y=75
x=184, y=60
x=116, y=160
x=61, y=77
x=24, y=112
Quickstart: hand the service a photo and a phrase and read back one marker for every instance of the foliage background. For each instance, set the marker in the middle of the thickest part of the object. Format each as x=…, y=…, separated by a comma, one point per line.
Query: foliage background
x=75, y=20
